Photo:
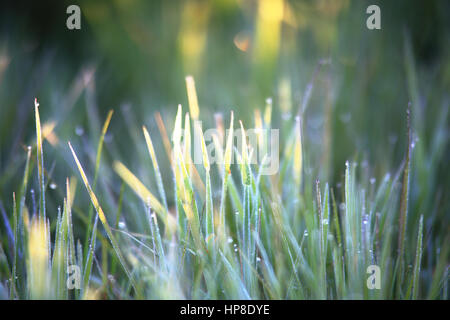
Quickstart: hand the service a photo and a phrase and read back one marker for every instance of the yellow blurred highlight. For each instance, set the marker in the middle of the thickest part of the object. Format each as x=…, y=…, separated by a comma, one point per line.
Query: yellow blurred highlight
x=298, y=157
x=38, y=266
x=268, y=27
x=285, y=95
x=47, y=133
x=92, y=294
x=192, y=97
x=192, y=38
x=146, y=196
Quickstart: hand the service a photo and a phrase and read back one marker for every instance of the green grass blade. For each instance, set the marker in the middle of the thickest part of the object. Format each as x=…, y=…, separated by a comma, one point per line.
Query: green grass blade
x=102, y=217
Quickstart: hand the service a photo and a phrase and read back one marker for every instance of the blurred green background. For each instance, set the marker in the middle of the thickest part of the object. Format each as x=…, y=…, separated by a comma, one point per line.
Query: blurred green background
x=133, y=56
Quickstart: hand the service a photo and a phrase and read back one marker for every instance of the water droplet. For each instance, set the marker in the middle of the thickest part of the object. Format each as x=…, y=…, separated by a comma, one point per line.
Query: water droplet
x=235, y=250
x=121, y=225
x=29, y=148
x=236, y=213
x=230, y=240
x=325, y=221
x=258, y=259
x=79, y=130
x=372, y=180
x=365, y=219
x=53, y=186
x=305, y=233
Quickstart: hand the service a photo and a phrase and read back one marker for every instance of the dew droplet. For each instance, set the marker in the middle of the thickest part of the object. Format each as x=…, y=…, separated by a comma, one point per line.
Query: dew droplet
x=305, y=233
x=230, y=240
x=258, y=259
x=372, y=180
x=325, y=221
x=79, y=130
x=121, y=225
x=53, y=186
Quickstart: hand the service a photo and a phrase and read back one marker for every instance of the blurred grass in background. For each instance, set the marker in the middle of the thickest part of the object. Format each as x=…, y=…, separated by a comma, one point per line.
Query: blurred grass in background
x=133, y=56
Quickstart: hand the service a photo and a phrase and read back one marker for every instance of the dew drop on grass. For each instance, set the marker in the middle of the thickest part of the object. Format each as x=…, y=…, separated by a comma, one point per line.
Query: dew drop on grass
x=365, y=219
x=121, y=225
x=236, y=213
x=325, y=221
x=230, y=240
x=79, y=130
x=305, y=233
x=53, y=186
x=258, y=259
x=372, y=180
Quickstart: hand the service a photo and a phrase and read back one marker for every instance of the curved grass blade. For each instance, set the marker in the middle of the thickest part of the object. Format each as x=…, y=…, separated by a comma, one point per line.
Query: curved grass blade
x=102, y=217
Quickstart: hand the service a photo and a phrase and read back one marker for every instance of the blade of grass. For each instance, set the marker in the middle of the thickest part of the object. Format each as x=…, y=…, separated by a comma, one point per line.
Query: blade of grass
x=404, y=204
x=103, y=218
x=40, y=161
x=97, y=167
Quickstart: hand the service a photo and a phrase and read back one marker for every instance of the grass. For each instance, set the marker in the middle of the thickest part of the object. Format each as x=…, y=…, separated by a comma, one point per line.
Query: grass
x=230, y=232
x=363, y=146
